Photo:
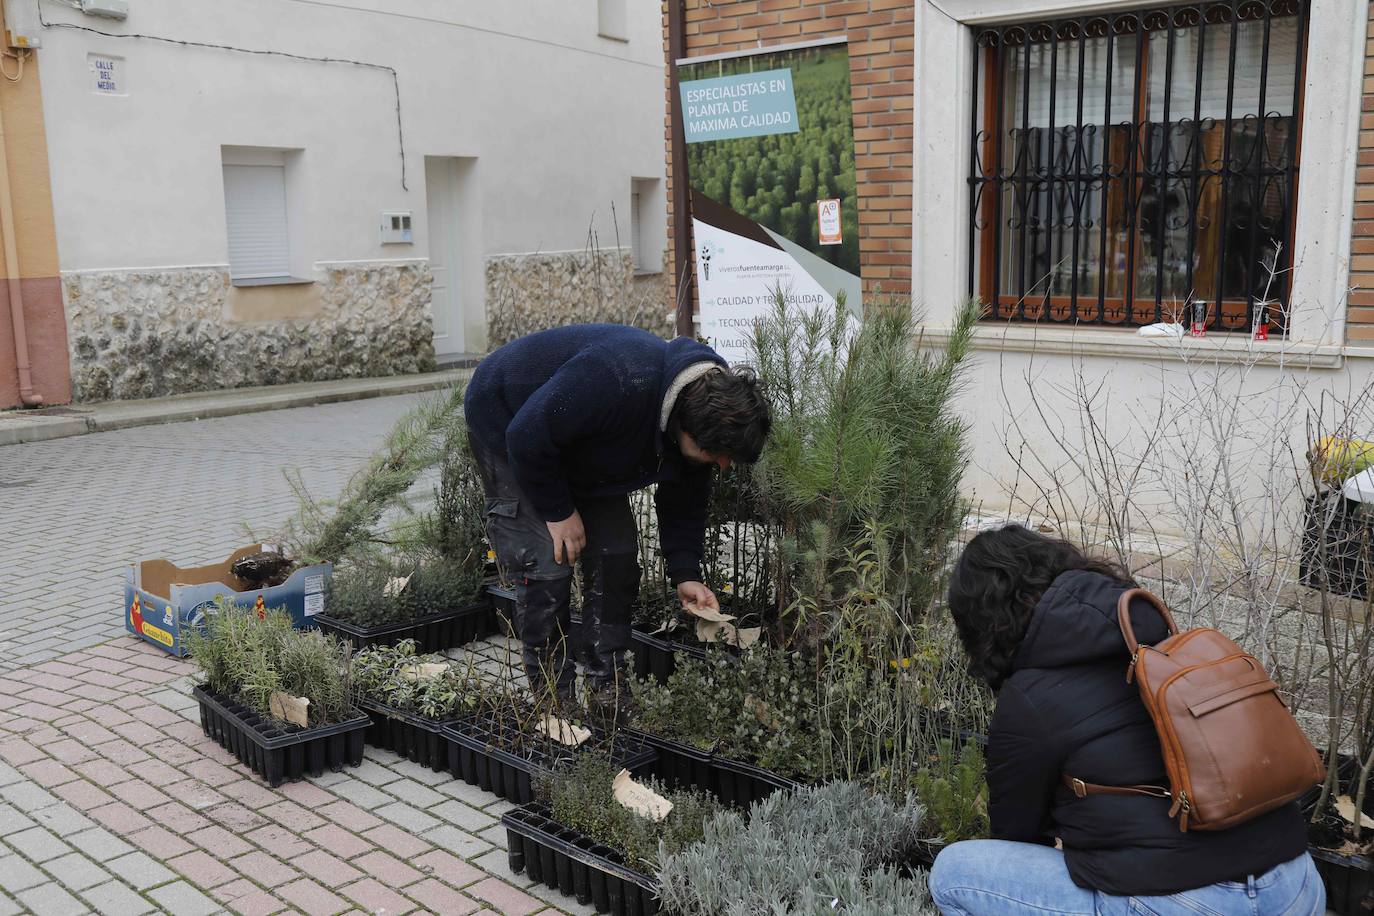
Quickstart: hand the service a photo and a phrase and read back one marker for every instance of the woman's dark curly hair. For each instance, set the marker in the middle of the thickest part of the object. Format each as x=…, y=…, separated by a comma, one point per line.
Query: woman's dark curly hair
x=996, y=585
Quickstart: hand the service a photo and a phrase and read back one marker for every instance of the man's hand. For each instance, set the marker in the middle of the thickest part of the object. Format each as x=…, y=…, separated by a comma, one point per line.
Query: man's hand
x=695, y=594
x=569, y=537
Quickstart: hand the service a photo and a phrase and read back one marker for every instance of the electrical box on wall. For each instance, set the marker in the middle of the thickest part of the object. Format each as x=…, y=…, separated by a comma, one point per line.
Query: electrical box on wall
x=109, y=9
x=396, y=227
x=22, y=25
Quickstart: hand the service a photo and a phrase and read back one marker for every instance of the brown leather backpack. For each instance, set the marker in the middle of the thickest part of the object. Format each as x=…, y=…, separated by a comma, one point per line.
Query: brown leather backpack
x=1232, y=750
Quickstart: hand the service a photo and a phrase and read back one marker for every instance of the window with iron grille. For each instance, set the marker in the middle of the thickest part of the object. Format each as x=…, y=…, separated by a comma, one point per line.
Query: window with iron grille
x=1135, y=167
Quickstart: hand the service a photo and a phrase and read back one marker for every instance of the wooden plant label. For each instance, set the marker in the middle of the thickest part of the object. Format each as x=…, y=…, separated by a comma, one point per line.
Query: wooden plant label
x=706, y=613
x=640, y=799
x=728, y=633
x=292, y=709
x=748, y=636
x=1345, y=807
x=761, y=711
x=426, y=671
x=563, y=731
x=395, y=586
x=711, y=630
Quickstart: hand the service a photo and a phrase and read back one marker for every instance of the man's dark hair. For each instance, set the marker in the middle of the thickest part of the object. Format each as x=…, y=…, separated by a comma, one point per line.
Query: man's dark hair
x=998, y=581
x=725, y=413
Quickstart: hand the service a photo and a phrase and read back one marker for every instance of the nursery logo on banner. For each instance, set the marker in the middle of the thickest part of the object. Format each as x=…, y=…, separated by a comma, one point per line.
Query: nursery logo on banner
x=770, y=161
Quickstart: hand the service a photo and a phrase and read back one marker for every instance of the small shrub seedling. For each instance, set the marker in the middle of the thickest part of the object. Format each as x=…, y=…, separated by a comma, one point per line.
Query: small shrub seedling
x=582, y=798
x=393, y=676
x=813, y=852
x=369, y=594
x=241, y=655
x=954, y=789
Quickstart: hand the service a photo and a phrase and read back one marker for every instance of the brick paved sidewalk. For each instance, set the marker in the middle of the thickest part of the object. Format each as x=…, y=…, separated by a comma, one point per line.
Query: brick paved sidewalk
x=112, y=800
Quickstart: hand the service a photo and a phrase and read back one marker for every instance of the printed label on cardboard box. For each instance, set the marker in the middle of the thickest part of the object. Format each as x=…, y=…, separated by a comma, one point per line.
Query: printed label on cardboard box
x=157, y=633
x=314, y=604
x=314, y=584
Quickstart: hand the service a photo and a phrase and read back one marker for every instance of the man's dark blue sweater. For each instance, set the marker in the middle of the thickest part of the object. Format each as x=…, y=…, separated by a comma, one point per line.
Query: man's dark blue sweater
x=582, y=410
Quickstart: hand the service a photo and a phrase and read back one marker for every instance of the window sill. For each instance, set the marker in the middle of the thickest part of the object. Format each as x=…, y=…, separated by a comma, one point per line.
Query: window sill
x=271, y=281
x=621, y=39
x=1126, y=344
x=641, y=272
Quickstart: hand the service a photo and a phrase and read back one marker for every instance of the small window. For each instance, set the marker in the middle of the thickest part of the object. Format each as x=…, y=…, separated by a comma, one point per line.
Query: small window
x=610, y=20
x=255, y=211
x=1129, y=166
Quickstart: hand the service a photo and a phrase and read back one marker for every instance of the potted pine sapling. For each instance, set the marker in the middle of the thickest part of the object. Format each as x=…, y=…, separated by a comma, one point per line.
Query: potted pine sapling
x=438, y=603
x=740, y=728
x=952, y=785
x=836, y=848
x=597, y=834
x=280, y=699
x=410, y=697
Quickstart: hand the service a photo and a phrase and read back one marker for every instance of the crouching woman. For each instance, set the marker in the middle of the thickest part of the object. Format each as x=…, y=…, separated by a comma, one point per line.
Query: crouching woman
x=1038, y=620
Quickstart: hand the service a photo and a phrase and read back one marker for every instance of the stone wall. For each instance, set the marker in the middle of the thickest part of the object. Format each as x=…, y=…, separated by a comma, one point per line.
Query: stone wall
x=149, y=333
x=530, y=292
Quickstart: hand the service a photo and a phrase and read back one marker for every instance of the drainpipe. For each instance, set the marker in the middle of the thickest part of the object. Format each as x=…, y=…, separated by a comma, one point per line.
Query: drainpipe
x=27, y=396
x=682, y=196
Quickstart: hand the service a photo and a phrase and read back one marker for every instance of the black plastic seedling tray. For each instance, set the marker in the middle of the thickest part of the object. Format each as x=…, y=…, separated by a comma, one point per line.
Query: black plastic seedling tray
x=576, y=865
x=740, y=784
x=1349, y=881
x=682, y=766
x=478, y=754
x=432, y=632
x=679, y=766
x=275, y=751
x=412, y=736
x=658, y=657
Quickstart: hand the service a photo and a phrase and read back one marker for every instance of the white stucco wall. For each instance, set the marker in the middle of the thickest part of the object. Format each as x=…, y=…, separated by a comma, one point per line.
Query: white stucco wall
x=558, y=119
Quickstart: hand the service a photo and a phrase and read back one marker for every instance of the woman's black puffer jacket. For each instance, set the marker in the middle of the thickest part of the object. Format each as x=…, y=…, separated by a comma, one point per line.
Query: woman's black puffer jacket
x=1067, y=708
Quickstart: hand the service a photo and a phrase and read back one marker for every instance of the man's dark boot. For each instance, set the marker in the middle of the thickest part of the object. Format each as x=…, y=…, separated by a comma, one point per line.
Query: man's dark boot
x=541, y=612
x=610, y=584
x=610, y=704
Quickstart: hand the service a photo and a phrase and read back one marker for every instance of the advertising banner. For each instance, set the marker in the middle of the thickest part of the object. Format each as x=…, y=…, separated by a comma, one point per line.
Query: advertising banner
x=770, y=163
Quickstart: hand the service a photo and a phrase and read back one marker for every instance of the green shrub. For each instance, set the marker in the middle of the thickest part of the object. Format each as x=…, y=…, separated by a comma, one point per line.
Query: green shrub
x=581, y=798
x=242, y=656
x=758, y=708
x=831, y=849
x=358, y=594
x=385, y=674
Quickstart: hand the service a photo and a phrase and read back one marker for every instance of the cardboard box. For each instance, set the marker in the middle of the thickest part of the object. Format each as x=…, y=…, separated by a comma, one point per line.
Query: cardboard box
x=162, y=601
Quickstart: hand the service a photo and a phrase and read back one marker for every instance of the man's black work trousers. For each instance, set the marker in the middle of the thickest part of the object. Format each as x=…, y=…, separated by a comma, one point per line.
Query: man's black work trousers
x=543, y=588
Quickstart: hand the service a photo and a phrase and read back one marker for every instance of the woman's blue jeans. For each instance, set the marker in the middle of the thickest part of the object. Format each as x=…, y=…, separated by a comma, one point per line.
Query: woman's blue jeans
x=984, y=877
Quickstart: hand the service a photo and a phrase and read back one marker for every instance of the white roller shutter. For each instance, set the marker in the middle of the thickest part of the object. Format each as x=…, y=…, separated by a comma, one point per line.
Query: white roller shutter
x=1210, y=102
x=255, y=209
x=1184, y=96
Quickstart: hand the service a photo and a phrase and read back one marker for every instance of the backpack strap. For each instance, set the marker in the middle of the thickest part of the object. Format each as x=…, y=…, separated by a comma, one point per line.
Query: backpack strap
x=1083, y=789
x=1123, y=615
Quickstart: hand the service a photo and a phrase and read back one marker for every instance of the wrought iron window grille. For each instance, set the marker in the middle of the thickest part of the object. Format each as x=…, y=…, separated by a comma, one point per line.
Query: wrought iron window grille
x=1137, y=167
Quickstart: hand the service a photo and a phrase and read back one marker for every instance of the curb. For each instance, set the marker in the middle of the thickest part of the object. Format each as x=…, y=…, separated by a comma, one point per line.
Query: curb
x=17, y=428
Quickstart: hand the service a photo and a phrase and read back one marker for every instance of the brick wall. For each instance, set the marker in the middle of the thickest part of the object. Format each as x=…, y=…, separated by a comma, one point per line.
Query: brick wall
x=1360, y=318
x=881, y=60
